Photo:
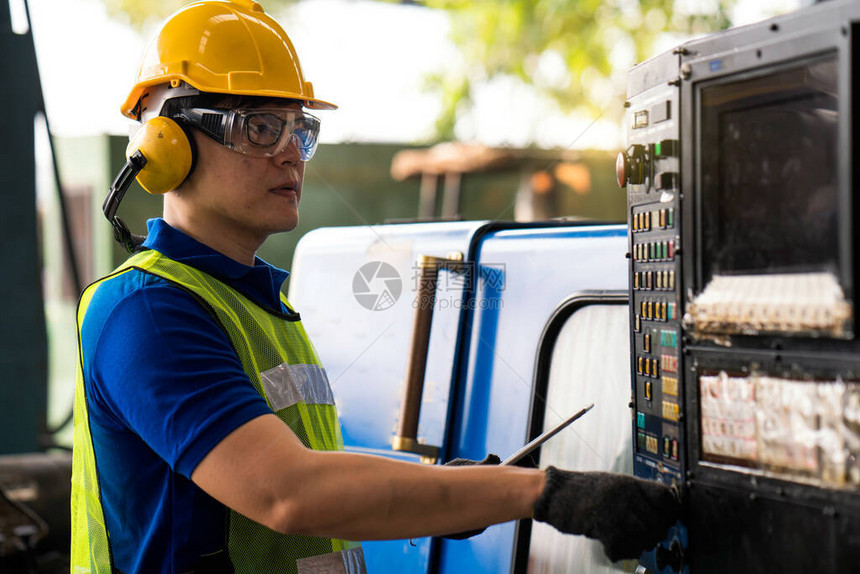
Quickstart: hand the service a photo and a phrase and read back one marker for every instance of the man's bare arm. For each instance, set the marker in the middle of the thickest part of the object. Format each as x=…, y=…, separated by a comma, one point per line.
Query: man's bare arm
x=263, y=471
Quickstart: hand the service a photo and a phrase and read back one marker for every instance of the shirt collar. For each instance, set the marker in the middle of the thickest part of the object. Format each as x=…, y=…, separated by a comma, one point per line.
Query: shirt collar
x=262, y=281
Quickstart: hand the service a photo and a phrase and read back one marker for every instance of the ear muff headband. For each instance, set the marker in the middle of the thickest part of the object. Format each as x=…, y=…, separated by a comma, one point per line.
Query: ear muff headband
x=160, y=155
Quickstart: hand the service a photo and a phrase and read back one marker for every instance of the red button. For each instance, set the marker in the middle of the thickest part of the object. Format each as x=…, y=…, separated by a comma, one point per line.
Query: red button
x=620, y=170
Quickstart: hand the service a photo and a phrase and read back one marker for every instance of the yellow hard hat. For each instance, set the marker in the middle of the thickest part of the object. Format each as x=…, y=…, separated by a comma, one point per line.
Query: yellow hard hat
x=226, y=47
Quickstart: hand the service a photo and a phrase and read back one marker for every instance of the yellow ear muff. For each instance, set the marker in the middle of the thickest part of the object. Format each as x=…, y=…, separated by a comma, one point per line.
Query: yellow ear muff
x=168, y=152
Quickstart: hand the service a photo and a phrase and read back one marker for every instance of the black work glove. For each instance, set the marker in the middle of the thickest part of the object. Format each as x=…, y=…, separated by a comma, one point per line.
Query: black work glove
x=489, y=459
x=628, y=515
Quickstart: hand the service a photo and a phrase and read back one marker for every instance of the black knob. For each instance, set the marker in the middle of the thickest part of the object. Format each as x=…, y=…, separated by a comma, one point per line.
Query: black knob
x=630, y=165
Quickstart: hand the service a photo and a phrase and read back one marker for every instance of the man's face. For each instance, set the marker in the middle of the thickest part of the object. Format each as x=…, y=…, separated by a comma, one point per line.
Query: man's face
x=247, y=195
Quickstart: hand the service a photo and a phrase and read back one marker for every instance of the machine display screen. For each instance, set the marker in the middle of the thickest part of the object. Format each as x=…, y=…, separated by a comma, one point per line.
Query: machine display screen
x=769, y=172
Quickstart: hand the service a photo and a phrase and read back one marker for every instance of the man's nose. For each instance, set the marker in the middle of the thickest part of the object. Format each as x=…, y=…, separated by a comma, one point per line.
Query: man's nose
x=291, y=153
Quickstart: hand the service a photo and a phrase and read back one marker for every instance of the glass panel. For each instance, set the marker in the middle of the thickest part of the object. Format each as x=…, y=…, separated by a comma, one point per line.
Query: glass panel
x=769, y=161
x=590, y=364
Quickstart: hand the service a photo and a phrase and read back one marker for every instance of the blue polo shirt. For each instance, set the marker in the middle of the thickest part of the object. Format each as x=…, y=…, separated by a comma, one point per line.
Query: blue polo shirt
x=164, y=386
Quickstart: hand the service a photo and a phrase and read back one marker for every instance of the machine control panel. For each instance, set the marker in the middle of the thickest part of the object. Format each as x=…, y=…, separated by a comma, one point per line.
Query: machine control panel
x=649, y=169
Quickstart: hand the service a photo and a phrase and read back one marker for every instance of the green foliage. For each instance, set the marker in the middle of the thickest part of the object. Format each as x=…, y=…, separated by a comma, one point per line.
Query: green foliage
x=574, y=51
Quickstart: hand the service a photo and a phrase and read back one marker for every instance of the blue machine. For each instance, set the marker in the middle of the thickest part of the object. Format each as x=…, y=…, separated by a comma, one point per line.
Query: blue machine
x=494, y=351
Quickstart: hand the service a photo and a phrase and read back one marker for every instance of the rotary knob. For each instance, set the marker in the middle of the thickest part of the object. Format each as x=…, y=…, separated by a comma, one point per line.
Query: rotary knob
x=630, y=165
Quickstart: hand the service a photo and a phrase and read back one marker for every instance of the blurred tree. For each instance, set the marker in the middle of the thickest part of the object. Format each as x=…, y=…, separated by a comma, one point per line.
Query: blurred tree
x=576, y=52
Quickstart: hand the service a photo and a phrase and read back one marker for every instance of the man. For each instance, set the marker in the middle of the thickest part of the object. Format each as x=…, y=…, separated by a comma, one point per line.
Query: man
x=206, y=437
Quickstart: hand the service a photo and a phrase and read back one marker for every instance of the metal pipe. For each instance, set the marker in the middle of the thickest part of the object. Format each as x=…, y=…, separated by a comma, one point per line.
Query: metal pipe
x=406, y=439
x=416, y=364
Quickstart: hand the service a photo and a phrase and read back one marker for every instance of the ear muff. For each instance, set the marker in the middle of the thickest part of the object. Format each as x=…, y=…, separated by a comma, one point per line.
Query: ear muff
x=160, y=155
x=169, y=151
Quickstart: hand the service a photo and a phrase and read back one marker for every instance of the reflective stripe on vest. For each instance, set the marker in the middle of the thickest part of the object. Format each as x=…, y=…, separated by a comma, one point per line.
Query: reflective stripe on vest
x=280, y=361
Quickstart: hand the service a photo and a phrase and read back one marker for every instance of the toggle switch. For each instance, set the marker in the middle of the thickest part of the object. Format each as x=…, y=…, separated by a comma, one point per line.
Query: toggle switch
x=666, y=148
x=666, y=180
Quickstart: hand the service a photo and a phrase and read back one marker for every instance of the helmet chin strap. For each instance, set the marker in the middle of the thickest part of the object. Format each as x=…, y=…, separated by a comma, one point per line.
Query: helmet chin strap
x=120, y=185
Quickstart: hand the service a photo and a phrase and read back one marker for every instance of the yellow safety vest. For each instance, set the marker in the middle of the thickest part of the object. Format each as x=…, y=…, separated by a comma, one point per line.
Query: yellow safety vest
x=282, y=364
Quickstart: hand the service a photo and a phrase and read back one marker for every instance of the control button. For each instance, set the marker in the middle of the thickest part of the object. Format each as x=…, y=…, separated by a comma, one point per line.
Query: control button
x=621, y=169
x=647, y=390
x=646, y=342
x=654, y=370
x=637, y=323
x=651, y=444
x=669, y=311
x=667, y=446
x=661, y=112
x=666, y=148
x=639, y=368
x=670, y=250
x=669, y=363
x=670, y=386
x=669, y=339
x=662, y=218
x=666, y=180
x=675, y=449
x=670, y=411
x=640, y=440
x=671, y=279
x=670, y=217
x=647, y=221
x=640, y=420
x=636, y=281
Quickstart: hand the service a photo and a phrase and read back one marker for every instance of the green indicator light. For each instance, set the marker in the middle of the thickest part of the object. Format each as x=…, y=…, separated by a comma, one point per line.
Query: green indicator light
x=670, y=217
x=658, y=149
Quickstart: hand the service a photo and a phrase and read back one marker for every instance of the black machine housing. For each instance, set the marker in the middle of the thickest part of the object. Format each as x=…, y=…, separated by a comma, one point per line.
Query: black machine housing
x=744, y=251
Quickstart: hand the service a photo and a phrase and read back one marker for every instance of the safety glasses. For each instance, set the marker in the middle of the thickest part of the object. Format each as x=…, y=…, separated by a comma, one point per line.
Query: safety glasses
x=260, y=132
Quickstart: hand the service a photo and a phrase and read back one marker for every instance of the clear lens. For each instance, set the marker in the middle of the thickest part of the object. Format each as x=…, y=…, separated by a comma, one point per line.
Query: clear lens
x=259, y=132
x=269, y=132
x=264, y=129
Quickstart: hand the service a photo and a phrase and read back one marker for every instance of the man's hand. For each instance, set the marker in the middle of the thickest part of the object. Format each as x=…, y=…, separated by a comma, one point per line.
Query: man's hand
x=489, y=459
x=627, y=514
